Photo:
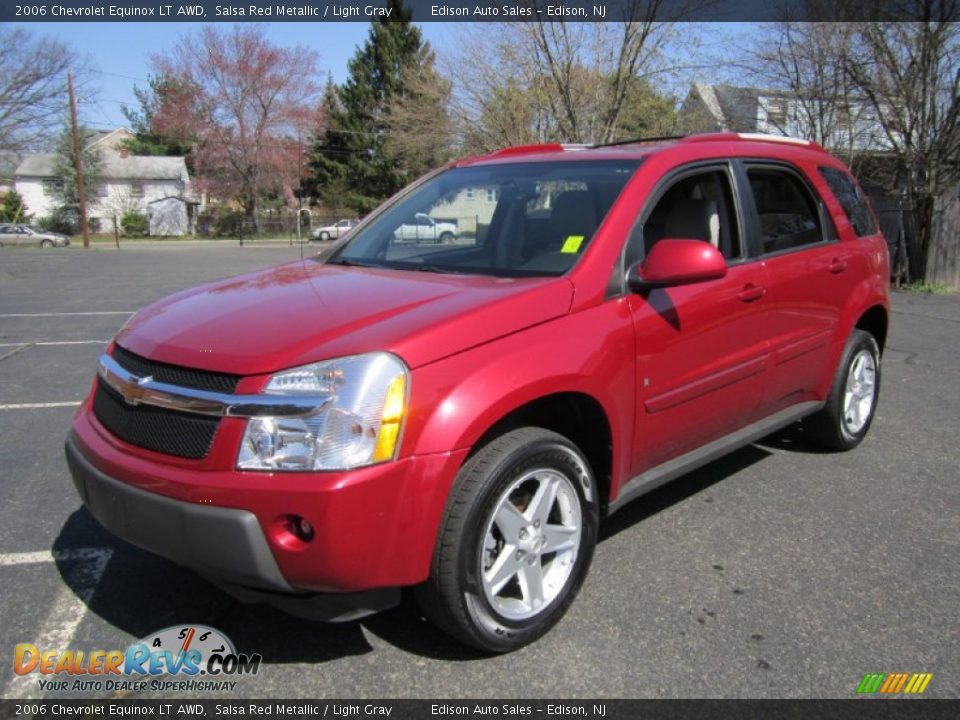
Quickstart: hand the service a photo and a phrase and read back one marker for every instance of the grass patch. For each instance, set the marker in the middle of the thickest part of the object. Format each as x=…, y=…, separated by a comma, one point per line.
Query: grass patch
x=928, y=288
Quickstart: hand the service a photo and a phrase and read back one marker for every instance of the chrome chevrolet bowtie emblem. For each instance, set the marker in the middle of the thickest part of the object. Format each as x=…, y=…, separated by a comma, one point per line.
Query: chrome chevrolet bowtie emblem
x=133, y=389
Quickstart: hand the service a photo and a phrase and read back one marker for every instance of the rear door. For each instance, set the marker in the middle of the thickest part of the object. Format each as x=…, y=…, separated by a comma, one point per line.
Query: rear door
x=807, y=277
x=20, y=236
x=701, y=349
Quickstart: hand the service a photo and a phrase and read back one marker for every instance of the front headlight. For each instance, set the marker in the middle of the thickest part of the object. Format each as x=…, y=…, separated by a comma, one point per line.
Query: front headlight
x=362, y=402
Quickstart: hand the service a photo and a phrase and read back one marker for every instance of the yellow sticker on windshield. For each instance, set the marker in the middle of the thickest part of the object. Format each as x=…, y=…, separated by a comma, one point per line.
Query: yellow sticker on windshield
x=572, y=244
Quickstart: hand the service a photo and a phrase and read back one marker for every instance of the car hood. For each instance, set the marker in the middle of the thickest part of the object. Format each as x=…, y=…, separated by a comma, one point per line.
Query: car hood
x=306, y=311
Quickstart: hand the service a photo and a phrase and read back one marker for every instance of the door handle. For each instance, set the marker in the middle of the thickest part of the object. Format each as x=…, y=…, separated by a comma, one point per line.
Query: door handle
x=751, y=292
x=837, y=265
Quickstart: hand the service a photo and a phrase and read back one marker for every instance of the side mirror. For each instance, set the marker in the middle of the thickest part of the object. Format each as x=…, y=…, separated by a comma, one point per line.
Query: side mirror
x=677, y=262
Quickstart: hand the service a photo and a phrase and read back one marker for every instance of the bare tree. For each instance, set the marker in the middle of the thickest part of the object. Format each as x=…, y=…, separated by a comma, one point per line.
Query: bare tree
x=420, y=134
x=241, y=102
x=910, y=74
x=33, y=88
x=820, y=101
x=542, y=80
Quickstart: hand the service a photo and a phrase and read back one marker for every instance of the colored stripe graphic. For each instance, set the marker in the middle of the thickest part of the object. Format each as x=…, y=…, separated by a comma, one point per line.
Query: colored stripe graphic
x=870, y=683
x=923, y=679
x=894, y=683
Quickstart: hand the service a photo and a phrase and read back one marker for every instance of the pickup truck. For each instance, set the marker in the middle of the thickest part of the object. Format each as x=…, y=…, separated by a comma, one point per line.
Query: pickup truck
x=423, y=228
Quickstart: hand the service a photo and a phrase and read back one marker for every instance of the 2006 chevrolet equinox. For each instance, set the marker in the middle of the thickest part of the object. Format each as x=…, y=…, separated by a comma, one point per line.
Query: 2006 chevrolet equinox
x=459, y=416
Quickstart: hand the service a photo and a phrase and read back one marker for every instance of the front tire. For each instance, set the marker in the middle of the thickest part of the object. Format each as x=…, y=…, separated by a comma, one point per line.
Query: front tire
x=516, y=541
x=46, y=243
x=324, y=236
x=446, y=238
x=845, y=419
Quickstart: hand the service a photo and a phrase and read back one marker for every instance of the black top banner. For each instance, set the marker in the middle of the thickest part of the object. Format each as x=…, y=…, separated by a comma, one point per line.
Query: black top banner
x=472, y=10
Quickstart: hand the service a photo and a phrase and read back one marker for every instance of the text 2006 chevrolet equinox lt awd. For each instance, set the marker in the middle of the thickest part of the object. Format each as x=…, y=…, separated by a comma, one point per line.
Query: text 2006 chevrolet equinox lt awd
x=459, y=417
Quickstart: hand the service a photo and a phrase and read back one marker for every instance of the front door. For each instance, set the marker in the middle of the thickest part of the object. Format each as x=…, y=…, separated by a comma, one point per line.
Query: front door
x=701, y=349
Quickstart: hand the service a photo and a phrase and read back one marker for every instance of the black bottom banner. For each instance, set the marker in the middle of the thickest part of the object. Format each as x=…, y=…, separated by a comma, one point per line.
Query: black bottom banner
x=448, y=709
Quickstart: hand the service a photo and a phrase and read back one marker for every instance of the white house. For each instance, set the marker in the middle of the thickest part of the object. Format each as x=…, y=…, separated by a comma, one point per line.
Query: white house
x=468, y=208
x=171, y=216
x=126, y=183
x=730, y=108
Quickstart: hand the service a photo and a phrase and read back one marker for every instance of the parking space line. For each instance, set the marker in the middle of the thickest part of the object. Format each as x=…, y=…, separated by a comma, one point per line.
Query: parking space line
x=13, y=352
x=41, y=556
x=67, y=314
x=34, y=406
x=50, y=343
x=68, y=609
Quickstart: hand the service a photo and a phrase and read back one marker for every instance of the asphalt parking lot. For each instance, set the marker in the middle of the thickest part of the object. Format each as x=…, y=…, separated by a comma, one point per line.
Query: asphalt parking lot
x=780, y=571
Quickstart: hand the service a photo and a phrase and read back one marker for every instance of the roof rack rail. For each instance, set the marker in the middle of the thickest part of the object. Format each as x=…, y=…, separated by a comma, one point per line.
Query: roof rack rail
x=534, y=148
x=752, y=137
x=637, y=141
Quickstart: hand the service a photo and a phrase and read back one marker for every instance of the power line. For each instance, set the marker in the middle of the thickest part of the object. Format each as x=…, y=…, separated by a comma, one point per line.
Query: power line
x=119, y=75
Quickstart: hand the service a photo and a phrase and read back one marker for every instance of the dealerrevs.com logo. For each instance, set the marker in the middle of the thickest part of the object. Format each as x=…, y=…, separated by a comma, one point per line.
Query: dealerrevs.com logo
x=178, y=658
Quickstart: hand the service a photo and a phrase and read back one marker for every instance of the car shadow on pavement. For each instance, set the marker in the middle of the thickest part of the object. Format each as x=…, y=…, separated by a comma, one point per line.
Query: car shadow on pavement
x=793, y=439
x=680, y=489
x=140, y=593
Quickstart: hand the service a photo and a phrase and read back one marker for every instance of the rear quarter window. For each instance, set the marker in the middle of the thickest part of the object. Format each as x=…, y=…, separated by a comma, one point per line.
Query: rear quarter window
x=851, y=199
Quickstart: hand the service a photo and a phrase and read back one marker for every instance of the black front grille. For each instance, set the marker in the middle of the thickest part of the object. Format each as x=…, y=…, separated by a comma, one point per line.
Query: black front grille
x=174, y=374
x=153, y=428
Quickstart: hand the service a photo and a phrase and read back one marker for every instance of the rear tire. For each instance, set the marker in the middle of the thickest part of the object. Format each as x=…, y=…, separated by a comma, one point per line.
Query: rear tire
x=446, y=238
x=515, y=543
x=46, y=244
x=851, y=405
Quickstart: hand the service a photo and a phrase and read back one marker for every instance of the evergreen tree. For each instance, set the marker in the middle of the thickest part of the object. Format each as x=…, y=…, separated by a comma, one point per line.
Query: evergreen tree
x=66, y=214
x=13, y=210
x=350, y=156
x=165, y=92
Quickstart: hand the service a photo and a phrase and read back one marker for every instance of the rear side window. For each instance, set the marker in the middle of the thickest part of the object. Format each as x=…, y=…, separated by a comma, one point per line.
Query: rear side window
x=789, y=215
x=851, y=199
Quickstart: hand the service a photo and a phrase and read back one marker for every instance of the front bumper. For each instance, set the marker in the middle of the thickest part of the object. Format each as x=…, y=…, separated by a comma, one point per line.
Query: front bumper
x=225, y=545
x=375, y=527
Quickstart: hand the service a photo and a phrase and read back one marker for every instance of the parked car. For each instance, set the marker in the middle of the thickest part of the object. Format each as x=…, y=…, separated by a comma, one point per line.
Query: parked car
x=332, y=232
x=461, y=418
x=423, y=228
x=29, y=235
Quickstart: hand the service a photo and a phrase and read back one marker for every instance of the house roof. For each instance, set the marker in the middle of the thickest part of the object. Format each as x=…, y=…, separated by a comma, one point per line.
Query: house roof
x=132, y=167
x=109, y=139
x=8, y=163
x=173, y=198
x=734, y=108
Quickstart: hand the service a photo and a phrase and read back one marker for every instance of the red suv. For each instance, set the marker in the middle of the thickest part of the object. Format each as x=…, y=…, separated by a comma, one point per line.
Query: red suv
x=459, y=417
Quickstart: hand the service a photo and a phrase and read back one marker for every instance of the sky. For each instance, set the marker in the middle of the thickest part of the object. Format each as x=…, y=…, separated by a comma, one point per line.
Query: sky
x=119, y=53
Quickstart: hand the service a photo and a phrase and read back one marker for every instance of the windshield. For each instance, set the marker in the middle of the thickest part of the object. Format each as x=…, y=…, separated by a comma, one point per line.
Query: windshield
x=523, y=219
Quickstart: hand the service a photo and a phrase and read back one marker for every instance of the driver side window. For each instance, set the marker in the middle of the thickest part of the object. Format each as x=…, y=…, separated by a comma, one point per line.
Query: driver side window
x=697, y=206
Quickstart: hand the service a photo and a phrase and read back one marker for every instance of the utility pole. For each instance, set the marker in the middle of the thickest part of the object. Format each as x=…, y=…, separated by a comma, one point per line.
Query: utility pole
x=78, y=162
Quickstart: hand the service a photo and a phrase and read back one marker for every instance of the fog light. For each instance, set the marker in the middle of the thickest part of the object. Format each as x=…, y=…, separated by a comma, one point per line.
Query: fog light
x=302, y=528
x=291, y=532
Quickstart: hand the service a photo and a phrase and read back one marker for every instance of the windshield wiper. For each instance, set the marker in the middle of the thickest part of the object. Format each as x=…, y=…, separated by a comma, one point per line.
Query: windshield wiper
x=433, y=269
x=350, y=263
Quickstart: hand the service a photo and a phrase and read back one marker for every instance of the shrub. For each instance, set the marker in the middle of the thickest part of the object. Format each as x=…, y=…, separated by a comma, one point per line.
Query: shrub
x=220, y=222
x=61, y=220
x=134, y=224
x=12, y=208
